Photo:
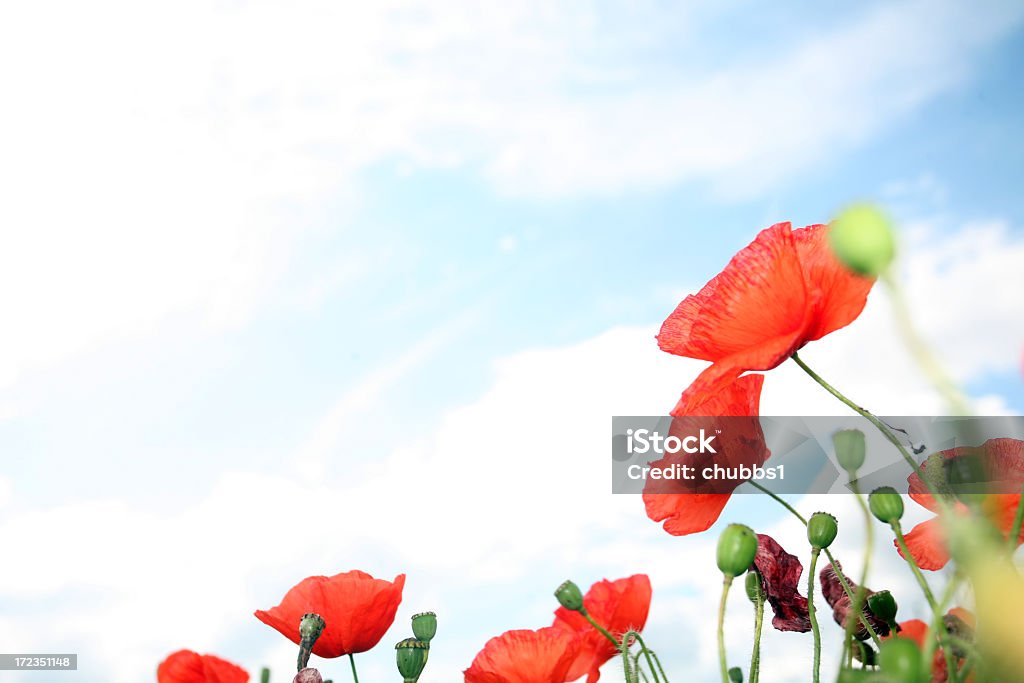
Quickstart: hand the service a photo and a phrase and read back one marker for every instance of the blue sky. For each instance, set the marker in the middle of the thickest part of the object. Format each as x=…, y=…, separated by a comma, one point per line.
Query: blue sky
x=284, y=249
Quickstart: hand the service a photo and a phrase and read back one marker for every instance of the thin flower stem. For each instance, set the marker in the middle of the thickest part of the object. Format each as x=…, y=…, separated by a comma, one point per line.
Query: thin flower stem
x=828, y=554
x=657, y=661
x=352, y=661
x=726, y=583
x=755, y=654
x=901, y=541
x=614, y=641
x=812, y=612
x=936, y=625
x=643, y=648
x=1018, y=520
x=857, y=602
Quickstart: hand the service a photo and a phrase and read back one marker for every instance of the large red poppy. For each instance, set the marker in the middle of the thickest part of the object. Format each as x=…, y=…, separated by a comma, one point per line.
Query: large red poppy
x=541, y=656
x=618, y=606
x=690, y=507
x=186, y=666
x=784, y=289
x=1004, y=461
x=357, y=608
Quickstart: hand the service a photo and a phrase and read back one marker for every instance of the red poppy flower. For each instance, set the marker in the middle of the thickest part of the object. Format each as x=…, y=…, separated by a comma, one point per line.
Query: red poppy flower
x=541, y=656
x=1004, y=462
x=619, y=606
x=842, y=606
x=688, y=507
x=959, y=622
x=186, y=666
x=780, y=577
x=357, y=608
x=784, y=289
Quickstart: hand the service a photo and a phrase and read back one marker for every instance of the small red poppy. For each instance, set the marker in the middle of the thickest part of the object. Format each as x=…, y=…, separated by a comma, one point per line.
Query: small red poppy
x=683, y=507
x=1004, y=460
x=541, y=656
x=357, y=608
x=783, y=290
x=186, y=666
x=619, y=606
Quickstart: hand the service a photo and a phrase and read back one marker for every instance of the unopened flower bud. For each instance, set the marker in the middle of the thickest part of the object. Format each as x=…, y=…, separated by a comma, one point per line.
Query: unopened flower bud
x=821, y=530
x=883, y=606
x=424, y=625
x=308, y=676
x=310, y=627
x=737, y=547
x=735, y=675
x=886, y=505
x=862, y=239
x=850, y=448
x=411, y=657
x=755, y=589
x=900, y=660
x=569, y=596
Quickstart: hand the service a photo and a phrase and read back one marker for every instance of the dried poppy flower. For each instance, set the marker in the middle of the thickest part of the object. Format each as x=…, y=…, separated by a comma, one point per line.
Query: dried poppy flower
x=358, y=610
x=688, y=507
x=783, y=290
x=780, y=578
x=842, y=606
x=541, y=656
x=186, y=666
x=1003, y=460
x=619, y=606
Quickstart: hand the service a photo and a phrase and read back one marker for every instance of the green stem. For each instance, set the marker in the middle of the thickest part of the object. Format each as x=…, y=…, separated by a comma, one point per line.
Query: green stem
x=643, y=648
x=352, y=661
x=857, y=602
x=936, y=625
x=1018, y=520
x=726, y=583
x=814, y=618
x=901, y=541
x=657, y=661
x=614, y=641
x=755, y=654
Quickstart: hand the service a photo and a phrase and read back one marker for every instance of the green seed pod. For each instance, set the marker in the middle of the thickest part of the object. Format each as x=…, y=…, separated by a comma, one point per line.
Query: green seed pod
x=900, y=661
x=850, y=448
x=735, y=675
x=737, y=547
x=755, y=589
x=569, y=596
x=862, y=239
x=886, y=504
x=411, y=657
x=821, y=530
x=883, y=606
x=424, y=626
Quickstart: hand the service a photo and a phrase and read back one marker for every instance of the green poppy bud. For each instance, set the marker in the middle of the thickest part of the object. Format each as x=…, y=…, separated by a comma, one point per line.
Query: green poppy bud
x=886, y=504
x=569, y=596
x=862, y=239
x=411, y=656
x=310, y=627
x=737, y=547
x=264, y=675
x=900, y=660
x=755, y=589
x=424, y=626
x=735, y=675
x=821, y=530
x=883, y=606
x=856, y=676
x=850, y=448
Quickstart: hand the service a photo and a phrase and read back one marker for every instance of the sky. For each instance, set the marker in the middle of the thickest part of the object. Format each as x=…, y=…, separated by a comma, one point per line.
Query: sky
x=295, y=289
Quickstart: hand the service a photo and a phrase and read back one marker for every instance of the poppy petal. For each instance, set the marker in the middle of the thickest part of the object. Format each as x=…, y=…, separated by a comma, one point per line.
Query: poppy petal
x=842, y=606
x=780, y=576
x=927, y=545
x=541, y=656
x=186, y=666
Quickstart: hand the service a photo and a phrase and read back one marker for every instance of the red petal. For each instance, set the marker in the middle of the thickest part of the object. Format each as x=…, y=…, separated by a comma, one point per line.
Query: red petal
x=186, y=666
x=842, y=605
x=925, y=542
x=780, y=576
x=759, y=296
x=541, y=656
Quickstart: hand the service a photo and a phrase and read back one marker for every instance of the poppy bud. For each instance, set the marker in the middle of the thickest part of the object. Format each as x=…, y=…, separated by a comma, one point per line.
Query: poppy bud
x=264, y=675
x=737, y=547
x=310, y=627
x=570, y=596
x=411, y=656
x=308, y=676
x=900, y=660
x=886, y=504
x=821, y=530
x=755, y=590
x=735, y=675
x=424, y=626
x=862, y=239
x=883, y=606
x=850, y=448
x=856, y=676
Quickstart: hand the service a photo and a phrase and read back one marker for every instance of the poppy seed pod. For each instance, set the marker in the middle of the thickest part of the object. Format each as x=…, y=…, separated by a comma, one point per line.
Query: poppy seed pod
x=308, y=676
x=310, y=628
x=424, y=626
x=850, y=448
x=737, y=547
x=900, y=660
x=735, y=675
x=883, y=606
x=755, y=590
x=886, y=505
x=411, y=657
x=821, y=530
x=570, y=596
x=862, y=239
